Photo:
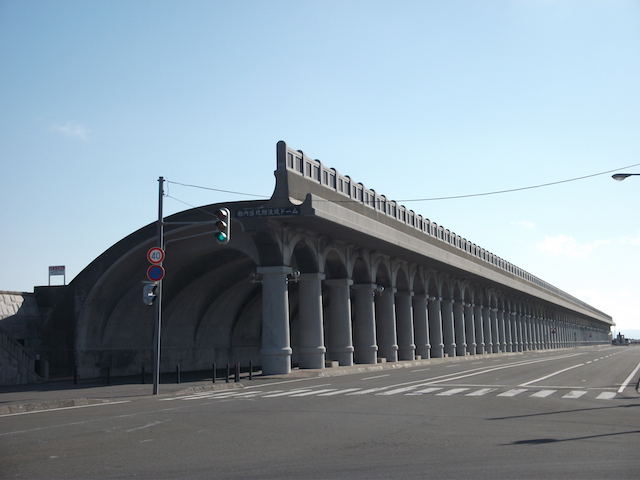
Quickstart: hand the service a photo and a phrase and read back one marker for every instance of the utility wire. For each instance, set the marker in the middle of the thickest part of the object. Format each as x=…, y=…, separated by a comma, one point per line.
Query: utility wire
x=433, y=198
x=515, y=189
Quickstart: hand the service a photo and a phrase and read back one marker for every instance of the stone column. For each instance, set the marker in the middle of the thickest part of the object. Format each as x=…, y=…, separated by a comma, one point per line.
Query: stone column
x=404, y=325
x=421, y=326
x=276, y=346
x=386, y=325
x=486, y=323
x=458, y=323
x=435, y=327
x=507, y=330
x=501, y=331
x=448, y=333
x=477, y=320
x=339, y=322
x=312, y=349
x=469, y=328
x=494, y=330
x=364, y=324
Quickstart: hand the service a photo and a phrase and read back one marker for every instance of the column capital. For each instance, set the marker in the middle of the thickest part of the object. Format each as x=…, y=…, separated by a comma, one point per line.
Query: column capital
x=404, y=293
x=364, y=286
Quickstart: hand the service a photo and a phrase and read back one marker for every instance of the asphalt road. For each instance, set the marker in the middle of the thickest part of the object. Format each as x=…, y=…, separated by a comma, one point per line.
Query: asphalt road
x=567, y=414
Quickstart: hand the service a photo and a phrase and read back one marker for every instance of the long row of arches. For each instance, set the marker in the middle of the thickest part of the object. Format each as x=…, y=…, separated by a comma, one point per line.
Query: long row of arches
x=353, y=305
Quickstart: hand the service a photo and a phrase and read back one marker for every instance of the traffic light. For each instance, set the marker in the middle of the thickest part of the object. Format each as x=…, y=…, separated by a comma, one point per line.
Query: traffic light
x=149, y=293
x=222, y=225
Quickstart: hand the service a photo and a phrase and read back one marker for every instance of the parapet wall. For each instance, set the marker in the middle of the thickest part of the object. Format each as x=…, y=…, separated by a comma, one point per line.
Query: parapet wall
x=333, y=183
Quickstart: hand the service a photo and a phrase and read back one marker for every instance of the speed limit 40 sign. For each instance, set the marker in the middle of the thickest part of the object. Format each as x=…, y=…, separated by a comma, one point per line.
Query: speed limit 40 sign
x=155, y=255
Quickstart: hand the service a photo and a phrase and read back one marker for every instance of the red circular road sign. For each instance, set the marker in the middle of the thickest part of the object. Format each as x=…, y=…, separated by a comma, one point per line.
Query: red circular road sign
x=155, y=255
x=155, y=273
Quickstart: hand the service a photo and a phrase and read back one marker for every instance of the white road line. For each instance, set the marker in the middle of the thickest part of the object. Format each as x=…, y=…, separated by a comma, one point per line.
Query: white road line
x=606, y=396
x=550, y=375
x=64, y=408
x=543, y=393
x=512, y=393
x=288, y=392
x=371, y=390
x=626, y=382
x=425, y=390
x=481, y=392
x=575, y=394
x=397, y=390
x=377, y=376
x=313, y=392
x=152, y=424
x=338, y=392
x=453, y=391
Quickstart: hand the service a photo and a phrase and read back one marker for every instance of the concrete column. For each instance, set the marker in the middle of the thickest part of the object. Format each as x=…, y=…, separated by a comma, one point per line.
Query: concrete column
x=364, y=324
x=421, y=326
x=507, y=330
x=494, y=330
x=486, y=324
x=340, y=346
x=276, y=346
x=448, y=332
x=469, y=328
x=477, y=320
x=458, y=323
x=502, y=334
x=404, y=325
x=435, y=327
x=514, y=331
x=386, y=325
x=312, y=349
x=521, y=340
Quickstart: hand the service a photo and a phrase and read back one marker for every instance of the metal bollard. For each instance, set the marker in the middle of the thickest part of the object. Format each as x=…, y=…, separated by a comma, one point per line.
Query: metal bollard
x=237, y=372
x=228, y=372
x=177, y=373
x=214, y=373
x=250, y=370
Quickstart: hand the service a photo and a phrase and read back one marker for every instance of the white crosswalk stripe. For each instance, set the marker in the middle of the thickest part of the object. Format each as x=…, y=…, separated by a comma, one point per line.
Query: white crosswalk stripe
x=453, y=391
x=481, y=392
x=513, y=392
x=543, y=393
x=575, y=394
x=606, y=396
x=425, y=390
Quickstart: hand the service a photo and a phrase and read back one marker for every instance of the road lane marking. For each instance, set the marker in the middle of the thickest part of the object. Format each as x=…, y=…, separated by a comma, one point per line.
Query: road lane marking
x=626, y=382
x=481, y=392
x=282, y=394
x=63, y=408
x=543, y=393
x=152, y=424
x=397, y=390
x=377, y=376
x=550, y=375
x=425, y=390
x=513, y=392
x=313, y=392
x=606, y=396
x=453, y=391
x=575, y=394
x=338, y=392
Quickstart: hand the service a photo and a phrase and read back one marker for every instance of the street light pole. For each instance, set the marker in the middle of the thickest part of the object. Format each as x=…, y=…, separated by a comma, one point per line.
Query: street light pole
x=158, y=302
x=621, y=176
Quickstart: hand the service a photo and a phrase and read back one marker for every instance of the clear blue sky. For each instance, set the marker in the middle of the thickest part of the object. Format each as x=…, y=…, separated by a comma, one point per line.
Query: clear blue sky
x=415, y=99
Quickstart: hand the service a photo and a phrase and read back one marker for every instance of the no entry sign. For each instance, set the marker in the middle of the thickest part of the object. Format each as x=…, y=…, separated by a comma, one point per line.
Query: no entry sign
x=155, y=273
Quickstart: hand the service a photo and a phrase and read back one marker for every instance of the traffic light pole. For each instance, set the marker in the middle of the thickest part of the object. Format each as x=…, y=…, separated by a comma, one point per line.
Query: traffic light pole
x=158, y=302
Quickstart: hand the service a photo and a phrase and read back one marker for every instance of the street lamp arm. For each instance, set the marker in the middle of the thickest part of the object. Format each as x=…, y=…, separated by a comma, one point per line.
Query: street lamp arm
x=621, y=176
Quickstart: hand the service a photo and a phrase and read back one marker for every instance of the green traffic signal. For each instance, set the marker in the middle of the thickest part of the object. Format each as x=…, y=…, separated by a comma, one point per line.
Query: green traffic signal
x=222, y=225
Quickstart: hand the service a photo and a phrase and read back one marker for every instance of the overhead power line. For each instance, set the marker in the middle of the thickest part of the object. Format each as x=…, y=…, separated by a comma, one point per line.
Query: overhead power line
x=453, y=197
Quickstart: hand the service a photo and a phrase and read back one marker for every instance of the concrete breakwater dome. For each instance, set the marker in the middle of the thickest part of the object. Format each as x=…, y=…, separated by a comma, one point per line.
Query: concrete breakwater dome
x=324, y=270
